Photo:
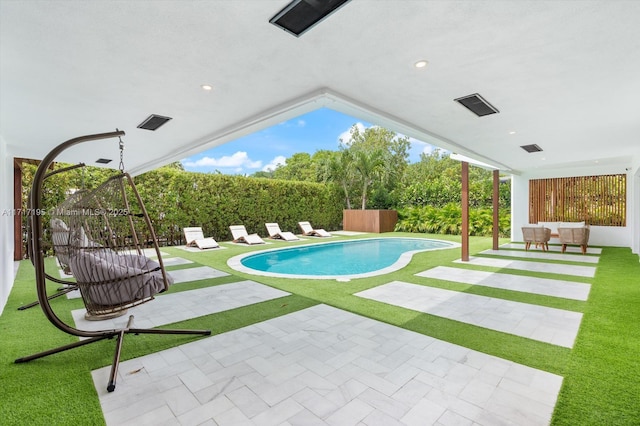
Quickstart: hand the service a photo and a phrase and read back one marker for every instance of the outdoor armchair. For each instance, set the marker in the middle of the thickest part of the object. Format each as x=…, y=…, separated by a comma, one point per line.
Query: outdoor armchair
x=574, y=236
x=538, y=235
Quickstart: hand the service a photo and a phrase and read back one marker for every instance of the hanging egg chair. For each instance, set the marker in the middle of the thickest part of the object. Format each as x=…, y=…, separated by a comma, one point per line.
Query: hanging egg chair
x=104, y=236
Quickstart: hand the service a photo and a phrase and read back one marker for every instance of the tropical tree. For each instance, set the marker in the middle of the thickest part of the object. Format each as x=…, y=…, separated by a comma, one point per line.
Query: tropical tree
x=379, y=159
x=337, y=168
x=297, y=167
x=368, y=167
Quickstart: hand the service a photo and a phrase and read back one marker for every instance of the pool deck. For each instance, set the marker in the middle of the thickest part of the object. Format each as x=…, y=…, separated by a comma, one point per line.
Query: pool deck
x=326, y=366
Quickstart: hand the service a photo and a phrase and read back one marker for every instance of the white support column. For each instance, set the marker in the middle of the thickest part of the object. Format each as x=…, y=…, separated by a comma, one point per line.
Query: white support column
x=6, y=224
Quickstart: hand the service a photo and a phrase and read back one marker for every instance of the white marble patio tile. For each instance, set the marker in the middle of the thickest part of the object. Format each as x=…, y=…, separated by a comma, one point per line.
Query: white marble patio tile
x=304, y=418
x=556, y=248
x=316, y=403
x=248, y=402
x=412, y=392
x=424, y=412
x=545, y=255
x=175, y=261
x=278, y=414
x=350, y=414
x=552, y=325
x=526, y=265
x=172, y=307
x=384, y=403
x=378, y=418
x=352, y=394
x=195, y=274
x=181, y=400
x=160, y=416
x=450, y=418
x=544, y=286
x=232, y=417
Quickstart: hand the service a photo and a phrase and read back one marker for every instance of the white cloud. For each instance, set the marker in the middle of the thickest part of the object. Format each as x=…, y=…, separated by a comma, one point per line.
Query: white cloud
x=293, y=123
x=345, y=137
x=279, y=160
x=425, y=148
x=238, y=160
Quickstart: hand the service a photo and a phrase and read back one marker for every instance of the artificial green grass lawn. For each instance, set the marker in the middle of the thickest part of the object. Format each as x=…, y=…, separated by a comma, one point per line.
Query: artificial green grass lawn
x=601, y=373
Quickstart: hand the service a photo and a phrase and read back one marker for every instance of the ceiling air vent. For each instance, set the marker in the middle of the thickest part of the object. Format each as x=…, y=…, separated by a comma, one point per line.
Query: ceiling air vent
x=299, y=16
x=477, y=105
x=531, y=148
x=153, y=122
x=103, y=160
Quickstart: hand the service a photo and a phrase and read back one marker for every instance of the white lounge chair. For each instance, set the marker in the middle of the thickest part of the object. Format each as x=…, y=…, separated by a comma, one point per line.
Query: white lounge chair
x=240, y=235
x=194, y=237
x=275, y=233
x=308, y=230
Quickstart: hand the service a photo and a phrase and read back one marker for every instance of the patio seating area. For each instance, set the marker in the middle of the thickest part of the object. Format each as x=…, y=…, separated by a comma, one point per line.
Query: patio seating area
x=496, y=340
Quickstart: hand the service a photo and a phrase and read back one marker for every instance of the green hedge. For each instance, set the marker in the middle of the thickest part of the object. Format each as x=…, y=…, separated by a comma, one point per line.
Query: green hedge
x=448, y=220
x=176, y=199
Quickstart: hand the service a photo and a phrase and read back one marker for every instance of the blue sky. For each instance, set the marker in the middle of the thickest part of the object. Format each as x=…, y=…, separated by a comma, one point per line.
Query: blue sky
x=263, y=150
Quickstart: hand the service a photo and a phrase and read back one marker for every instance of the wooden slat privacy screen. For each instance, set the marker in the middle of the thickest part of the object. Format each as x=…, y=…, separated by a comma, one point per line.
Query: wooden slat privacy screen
x=598, y=200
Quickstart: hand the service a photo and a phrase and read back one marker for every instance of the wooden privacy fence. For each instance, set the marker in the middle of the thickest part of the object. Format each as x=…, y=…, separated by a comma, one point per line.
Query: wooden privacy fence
x=598, y=200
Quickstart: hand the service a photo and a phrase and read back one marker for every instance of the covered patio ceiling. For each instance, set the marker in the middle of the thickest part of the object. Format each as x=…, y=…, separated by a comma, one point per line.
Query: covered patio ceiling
x=563, y=74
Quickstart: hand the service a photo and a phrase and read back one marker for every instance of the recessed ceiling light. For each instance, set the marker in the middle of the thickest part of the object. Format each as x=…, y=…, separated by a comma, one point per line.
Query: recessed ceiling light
x=512, y=132
x=420, y=64
x=207, y=87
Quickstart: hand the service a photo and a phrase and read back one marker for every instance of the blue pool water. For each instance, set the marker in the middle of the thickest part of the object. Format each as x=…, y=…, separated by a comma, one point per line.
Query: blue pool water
x=340, y=259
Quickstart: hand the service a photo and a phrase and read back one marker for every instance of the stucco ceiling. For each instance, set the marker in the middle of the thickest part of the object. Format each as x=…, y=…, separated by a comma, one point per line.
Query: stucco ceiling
x=564, y=74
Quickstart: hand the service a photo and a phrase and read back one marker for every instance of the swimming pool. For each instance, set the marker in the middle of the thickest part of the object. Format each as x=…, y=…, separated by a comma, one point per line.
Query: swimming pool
x=336, y=260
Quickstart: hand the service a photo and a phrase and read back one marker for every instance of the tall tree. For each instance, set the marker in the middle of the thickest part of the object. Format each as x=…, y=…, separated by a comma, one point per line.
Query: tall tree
x=337, y=168
x=297, y=167
x=394, y=151
x=368, y=165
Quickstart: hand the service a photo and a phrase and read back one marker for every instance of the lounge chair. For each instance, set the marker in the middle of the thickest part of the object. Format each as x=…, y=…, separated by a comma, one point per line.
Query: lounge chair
x=308, y=230
x=240, y=235
x=574, y=236
x=538, y=235
x=275, y=233
x=194, y=237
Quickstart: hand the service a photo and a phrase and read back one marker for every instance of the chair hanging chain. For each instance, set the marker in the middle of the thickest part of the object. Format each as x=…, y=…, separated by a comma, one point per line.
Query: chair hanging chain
x=121, y=154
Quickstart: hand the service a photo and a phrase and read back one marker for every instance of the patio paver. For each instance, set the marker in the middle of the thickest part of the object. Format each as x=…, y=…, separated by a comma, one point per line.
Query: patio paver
x=550, y=325
x=325, y=366
x=526, y=265
x=195, y=274
x=184, y=305
x=555, y=248
x=545, y=286
x=537, y=254
x=175, y=261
